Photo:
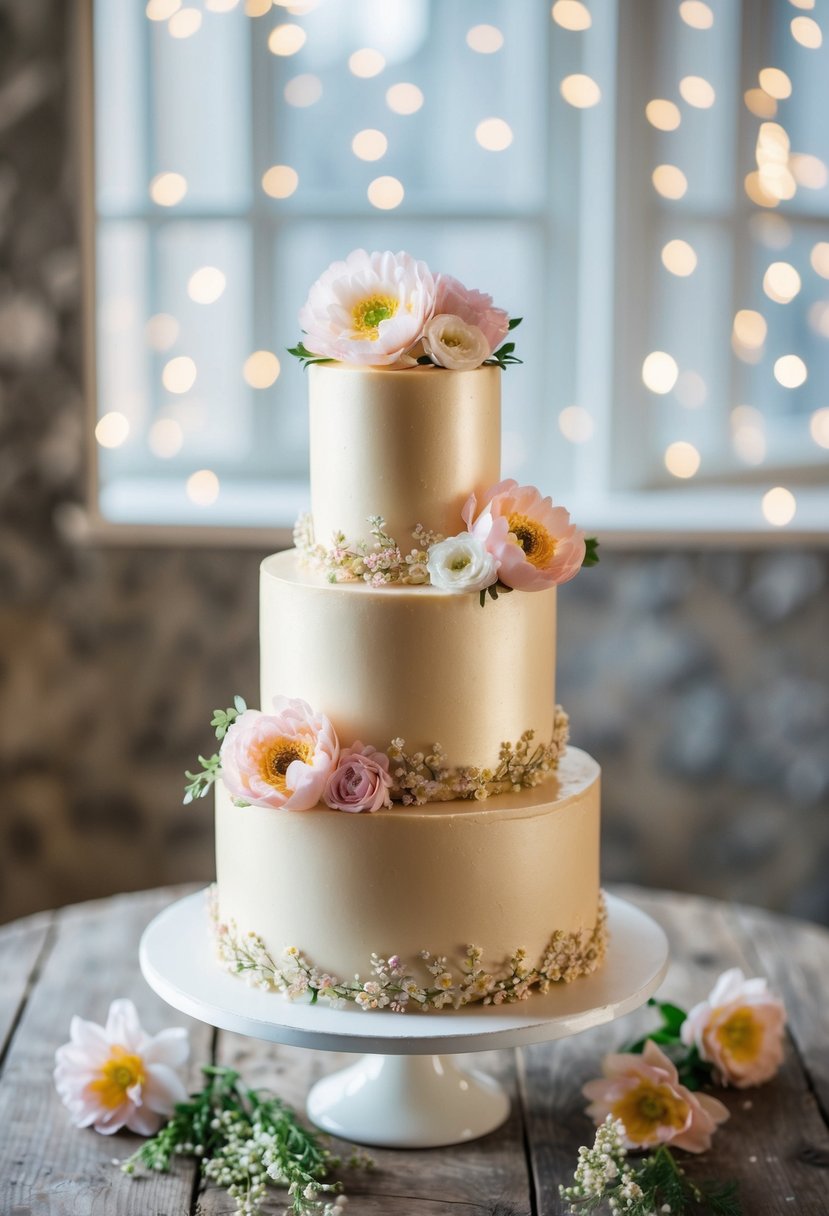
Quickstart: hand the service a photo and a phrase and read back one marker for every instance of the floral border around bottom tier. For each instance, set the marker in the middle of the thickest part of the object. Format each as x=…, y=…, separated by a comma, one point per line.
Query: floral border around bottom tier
x=394, y=984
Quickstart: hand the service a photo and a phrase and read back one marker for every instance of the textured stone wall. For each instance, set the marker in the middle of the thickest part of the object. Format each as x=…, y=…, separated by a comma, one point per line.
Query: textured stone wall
x=699, y=681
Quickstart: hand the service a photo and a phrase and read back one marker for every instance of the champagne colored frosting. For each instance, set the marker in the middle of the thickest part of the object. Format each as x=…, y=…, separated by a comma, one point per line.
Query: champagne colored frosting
x=502, y=875
x=416, y=663
x=410, y=445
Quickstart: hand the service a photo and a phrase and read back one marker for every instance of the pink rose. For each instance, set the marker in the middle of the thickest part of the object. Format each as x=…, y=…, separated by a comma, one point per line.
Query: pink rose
x=281, y=759
x=360, y=782
x=738, y=1029
x=533, y=542
x=473, y=307
x=645, y=1093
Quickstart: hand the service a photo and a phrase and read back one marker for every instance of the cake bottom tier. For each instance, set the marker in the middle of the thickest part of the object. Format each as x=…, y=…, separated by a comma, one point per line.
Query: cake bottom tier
x=430, y=906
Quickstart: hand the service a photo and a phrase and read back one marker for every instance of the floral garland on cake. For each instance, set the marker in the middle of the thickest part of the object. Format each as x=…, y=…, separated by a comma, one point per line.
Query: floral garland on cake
x=292, y=758
x=395, y=985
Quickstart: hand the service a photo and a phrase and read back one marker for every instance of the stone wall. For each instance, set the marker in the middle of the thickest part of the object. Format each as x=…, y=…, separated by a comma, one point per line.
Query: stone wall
x=699, y=681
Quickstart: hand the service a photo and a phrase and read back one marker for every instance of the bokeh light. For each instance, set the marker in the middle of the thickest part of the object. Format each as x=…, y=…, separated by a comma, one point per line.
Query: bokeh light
x=485, y=39
x=659, y=372
x=580, y=91
x=184, y=23
x=779, y=506
x=369, y=144
x=819, y=259
x=808, y=171
x=404, y=98
x=167, y=189
x=179, y=374
x=366, y=63
x=807, y=32
x=571, y=15
x=781, y=282
x=750, y=328
x=790, y=371
x=112, y=429
x=161, y=10
x=166, y=438
x=261, y=369
x=682, y=459
x=494, y=134
x=162, y=331
x=776, y=83
x=286, y=39
x=697, y=91
x=696, y=14
x=669, y=181
x=679, y=258
x=819, y=426
x=759, y=103
x=280, y=181
x=662, y=114
x=576, y=424
x=203, y=487
x=206, y=285
x=386, y=193
x=304, y=90
x=748, y=434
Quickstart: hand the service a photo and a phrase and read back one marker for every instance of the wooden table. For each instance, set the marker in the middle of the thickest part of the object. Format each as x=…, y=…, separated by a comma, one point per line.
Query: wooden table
x=76, y=960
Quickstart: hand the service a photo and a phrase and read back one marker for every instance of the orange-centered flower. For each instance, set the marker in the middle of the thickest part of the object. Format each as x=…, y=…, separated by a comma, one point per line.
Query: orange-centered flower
x=538, y=544
x=738, y=1029
x=276, y=757
x=121, y=1073
x=740, y=1034
x=649, y=1107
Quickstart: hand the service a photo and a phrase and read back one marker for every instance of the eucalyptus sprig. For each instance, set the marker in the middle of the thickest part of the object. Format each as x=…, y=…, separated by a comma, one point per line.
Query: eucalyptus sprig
x=306, y=356
x=223, y=718
x=247, y=1140
x=656, y=1183
x=200, y=782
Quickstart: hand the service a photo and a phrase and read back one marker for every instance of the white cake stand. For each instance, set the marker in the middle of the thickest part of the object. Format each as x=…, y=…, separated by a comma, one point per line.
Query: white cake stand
x=408, y=1091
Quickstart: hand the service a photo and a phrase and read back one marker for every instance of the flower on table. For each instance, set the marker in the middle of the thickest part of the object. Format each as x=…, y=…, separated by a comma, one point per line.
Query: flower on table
x=474, y=308
x=461, y=563
x=645, y=1094
x=453, y=343
x=283, y=759
x=361, y=781
x=738, y=1029
x=369, y=309
x=533, y=542
x=117, y=1075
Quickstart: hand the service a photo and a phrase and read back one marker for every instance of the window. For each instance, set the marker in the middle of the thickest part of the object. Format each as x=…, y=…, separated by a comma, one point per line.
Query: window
x=241, y=147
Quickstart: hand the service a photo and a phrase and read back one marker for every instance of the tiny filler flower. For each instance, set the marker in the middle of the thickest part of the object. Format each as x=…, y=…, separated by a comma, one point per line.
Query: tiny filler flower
x=738, y=1030
x=645, y=1093
x=117, y=1075
x=281, y=759
x=361, y=781
x=534, y=543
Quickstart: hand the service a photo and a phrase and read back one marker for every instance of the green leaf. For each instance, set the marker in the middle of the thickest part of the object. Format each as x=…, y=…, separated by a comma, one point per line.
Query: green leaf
x=672, y=1016
x=514, y=322
x=591, y=552
x=483, y=597
x=305, y=356
x=239, y=702
x=424, y=359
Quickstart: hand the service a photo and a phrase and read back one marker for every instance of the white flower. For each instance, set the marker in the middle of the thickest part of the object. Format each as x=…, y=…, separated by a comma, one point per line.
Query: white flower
x=117, y=1075
x=461, y=563
x=450, y=342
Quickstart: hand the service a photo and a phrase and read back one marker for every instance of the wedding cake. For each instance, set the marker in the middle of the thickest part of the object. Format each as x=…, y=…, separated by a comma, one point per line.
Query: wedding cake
x=402, y=825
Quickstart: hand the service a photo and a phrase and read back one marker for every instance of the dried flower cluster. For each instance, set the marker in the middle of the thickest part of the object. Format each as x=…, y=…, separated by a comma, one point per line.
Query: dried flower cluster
x=432, y=983
x=377, y=564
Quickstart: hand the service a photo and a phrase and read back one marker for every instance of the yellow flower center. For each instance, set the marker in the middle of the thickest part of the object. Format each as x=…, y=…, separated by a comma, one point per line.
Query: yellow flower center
x=538, y=545
x=646, y=1108
x=119, y=1074
x=367, y=315
x=741, y=1035
x=275, y=759
x=459, y=563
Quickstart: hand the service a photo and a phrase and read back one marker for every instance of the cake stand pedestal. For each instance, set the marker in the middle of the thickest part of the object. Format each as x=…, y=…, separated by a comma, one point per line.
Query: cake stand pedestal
x=407, y=1090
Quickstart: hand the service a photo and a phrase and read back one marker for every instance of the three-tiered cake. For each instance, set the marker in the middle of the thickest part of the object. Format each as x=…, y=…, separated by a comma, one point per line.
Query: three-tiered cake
x=403, y=825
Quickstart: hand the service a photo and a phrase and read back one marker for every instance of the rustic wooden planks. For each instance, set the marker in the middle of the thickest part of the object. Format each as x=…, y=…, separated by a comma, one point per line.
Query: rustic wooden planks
x=76, y=961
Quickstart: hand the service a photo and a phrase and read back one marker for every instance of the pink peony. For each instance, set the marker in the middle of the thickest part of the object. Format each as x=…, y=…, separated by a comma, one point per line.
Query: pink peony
x=473, y=307
x=118, y=1076
x=281, y=759
x=644, y=1091
x=533, y=542
x=360, y=782
x=738, y=1029
x=369, y=309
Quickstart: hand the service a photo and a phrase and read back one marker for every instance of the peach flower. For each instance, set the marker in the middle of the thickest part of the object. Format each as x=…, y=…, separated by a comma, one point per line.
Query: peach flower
x=361, y=781
x=644, y=1091
x=369, y=309
x=473, y=307
x=533, y=542
x=281, y=759
x=118, y=1076
x=738, y=1029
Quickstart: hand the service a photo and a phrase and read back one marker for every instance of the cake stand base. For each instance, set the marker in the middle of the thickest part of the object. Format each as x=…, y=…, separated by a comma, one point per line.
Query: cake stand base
x=408, y=1091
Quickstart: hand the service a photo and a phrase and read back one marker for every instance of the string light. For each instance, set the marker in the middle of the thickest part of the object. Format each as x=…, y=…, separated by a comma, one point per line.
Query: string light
x=679, y=258
x=184, y=23
x=494, y=134
x=781, y=282
x=664, y=115
x=112, y=429
x=280, y=181
x=571, y=15
x=808, y=171
x=286, y=39
x=161, y=10
x=790, y=371
x=304, y=90
x=807, y=32
x=669, y=181
x=385, y=193
x=369, y=144
x=576, y=424
x=220, y=6
x=776, y=83
x=659, y=372
x=166, y=438
x=203, y=487
x=819, y=259
x=759, y=103
x=580, y=91
x=682, y=459
x=485, y=39
x=404, y=98
x=819, y=426
x=206, y=285
x=179, y=374
x=168, y=189
x=697, y=92
x=261, y=369
x=750, y=328
x=696, y=14
x=257, y=8
x=754, y=190
x=819, y=317
x=366, y=63
x=779, y=506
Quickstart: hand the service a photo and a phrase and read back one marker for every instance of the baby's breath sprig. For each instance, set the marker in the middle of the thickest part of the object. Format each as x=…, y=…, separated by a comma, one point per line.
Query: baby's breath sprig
x=656, y=1184
x=247, y=1141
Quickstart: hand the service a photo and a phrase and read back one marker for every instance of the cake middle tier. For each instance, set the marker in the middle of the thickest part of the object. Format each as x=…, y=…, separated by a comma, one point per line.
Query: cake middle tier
x=414, y=663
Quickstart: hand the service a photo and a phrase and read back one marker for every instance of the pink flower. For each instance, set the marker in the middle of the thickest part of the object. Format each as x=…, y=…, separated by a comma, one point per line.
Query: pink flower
x=644, y=1091
x=117, y=1075
x=281, y=759
x=360, y=782
x=533, y=542
x=473, y=307
x=368, y=309
x=738, y=1029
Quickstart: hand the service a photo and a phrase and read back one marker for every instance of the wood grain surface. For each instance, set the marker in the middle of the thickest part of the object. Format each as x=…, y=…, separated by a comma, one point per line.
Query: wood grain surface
x=776, y=1143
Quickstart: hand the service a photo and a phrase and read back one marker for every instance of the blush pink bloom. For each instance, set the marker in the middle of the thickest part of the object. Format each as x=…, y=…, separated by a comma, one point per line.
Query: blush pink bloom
x=281, y=759
x=473, y=307
x=369, y=309
x=533, y=542
x=361, y=781
x=118, y=1076
x=738, y=1029
x=644, y=1091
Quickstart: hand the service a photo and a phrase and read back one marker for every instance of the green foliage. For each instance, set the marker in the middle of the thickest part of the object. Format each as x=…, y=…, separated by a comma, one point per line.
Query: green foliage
x=223, y=718
x=591, y=552
x=199, y=783
x=494, y=591
x=692, y=1069
x=305, y=356
x=504, y=356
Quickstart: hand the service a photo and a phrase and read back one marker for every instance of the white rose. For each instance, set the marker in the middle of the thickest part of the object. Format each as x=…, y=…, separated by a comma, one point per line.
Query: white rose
x=450, y=342
x=461, y=563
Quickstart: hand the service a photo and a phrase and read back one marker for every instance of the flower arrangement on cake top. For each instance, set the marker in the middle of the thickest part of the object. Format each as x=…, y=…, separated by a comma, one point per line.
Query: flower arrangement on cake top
x=389, y=310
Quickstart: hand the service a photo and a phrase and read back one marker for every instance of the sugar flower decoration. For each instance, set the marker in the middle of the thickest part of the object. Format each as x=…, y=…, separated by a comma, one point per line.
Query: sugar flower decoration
x=534, y=543
x=118, y=1076
x=361, y=781
x=281, y=759
x=461, y=563
x=369, y=309
x=644, y=1092
x=474, y=308
x=451, y=342
x=738, y=1029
